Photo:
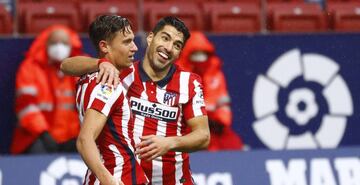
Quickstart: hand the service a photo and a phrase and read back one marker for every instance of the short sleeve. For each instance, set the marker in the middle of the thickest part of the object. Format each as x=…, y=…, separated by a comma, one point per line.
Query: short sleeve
x=104, y=98
x=196, y=104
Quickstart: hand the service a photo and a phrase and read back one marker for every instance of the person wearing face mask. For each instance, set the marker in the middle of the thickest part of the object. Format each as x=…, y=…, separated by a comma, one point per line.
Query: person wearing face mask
x=199, y=57
x=45, y=97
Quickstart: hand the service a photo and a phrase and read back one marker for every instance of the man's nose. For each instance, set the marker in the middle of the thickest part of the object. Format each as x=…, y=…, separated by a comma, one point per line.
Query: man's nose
x=134, y=48
x=168, y=46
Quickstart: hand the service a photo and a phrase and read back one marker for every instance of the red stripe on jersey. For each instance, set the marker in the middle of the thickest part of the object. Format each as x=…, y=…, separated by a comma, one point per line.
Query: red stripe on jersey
x=97, y=105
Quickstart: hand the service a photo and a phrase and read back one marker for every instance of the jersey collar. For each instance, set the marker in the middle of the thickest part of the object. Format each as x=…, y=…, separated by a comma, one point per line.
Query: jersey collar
x=144, y=77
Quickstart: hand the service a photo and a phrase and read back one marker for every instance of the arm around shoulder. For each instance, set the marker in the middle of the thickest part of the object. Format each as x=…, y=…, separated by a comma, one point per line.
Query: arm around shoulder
x=79, y=65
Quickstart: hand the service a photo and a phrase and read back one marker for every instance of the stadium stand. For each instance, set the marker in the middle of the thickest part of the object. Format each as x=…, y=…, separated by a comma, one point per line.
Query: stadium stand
x=232, y=17
x=218, y=16
x=90, y=10
x=189, y=12
x=344, y=16
x=34, y=17
x=296, y=17
x=5, y=21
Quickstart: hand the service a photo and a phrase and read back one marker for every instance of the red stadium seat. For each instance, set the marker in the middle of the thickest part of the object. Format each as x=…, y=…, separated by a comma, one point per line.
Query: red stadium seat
x=296, y=17
x=187, y=11
x=344, y=16
x=233, y=17
x=90, y=10
x=283, y=1
x=5, y=21
x=37, y=16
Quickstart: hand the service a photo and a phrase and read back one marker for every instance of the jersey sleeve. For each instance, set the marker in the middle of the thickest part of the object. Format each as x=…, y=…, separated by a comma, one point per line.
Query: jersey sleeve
x=196, y=104
x=104, y=98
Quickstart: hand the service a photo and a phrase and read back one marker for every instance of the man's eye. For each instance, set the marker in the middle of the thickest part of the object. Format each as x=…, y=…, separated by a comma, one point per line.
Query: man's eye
x=177, y=46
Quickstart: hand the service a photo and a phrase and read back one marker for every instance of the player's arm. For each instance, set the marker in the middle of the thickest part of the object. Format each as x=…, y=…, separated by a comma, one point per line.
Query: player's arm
x=80, y=65
x=197, y=139
x=152, y=146
x=93, y=123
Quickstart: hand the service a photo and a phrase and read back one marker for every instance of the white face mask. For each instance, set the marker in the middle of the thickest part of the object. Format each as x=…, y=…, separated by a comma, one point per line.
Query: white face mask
x=59, y=51
x=199, y=56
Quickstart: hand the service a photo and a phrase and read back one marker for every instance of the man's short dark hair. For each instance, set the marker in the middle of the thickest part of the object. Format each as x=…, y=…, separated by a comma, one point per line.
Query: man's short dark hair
x=175, y=22
x=105, y=27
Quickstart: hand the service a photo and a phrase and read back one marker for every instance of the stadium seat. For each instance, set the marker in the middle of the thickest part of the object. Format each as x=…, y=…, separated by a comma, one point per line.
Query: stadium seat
x=90, y=10
x=233, y=17
x=189, y=12
x=49, y=1
x=344, y=16
x=37, y=16
x=5, y=21
x=296, y=17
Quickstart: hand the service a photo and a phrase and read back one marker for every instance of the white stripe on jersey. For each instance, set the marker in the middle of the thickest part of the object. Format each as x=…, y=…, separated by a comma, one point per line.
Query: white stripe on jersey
x=178, y=166
x=196, y=99
x=124, y=124
x=184, y=87
x=157, y=171
x=128, y=80
x=119, y=161
x=139, y=120
x=97, y=182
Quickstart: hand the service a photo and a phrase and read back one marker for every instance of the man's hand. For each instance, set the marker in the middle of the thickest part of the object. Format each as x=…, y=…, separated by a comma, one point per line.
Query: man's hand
x=152, y=146
x=108, y=74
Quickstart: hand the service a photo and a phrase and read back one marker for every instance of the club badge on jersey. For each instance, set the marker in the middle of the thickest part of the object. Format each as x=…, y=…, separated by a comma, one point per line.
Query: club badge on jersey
x=169, y=98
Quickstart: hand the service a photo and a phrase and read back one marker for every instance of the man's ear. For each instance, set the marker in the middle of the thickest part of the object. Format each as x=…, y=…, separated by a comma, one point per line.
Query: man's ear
x=149, y=38
x=103, y=47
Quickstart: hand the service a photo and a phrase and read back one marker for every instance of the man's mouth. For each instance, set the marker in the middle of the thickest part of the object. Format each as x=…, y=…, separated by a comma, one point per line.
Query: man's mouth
x=131, y=57
x=163, y=55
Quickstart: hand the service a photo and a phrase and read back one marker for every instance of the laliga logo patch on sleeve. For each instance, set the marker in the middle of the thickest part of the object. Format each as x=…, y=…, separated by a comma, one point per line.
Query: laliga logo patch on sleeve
x=199, y=95
x=105, y=92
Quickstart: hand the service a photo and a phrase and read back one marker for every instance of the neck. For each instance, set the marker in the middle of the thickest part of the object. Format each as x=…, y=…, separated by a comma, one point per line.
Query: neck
x=155, y=75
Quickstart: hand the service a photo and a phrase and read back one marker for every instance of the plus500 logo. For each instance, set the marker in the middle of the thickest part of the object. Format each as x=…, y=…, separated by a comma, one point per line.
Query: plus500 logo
x=213, y=179
x=153, y=110
x=320, y=171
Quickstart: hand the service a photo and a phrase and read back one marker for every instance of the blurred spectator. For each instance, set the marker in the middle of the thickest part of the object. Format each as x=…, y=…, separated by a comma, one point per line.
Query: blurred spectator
x=199, y=57
x=45, y=99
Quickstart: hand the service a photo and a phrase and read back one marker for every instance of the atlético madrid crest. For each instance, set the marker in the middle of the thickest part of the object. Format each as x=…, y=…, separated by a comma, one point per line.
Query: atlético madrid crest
x=169, y=98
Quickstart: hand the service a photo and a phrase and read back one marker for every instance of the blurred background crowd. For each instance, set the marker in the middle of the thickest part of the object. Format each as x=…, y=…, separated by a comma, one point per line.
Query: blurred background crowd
x=216, y=16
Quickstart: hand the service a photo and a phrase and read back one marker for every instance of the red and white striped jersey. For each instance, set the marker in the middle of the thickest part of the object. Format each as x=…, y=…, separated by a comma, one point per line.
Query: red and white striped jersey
x=115, y=140
x=162, y=108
